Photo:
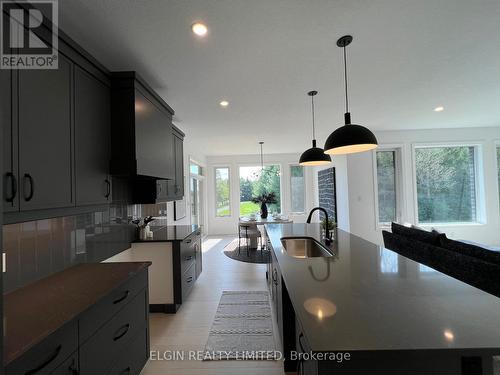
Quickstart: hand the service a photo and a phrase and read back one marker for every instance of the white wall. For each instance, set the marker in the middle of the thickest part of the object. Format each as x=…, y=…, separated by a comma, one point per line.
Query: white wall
x=360, y=168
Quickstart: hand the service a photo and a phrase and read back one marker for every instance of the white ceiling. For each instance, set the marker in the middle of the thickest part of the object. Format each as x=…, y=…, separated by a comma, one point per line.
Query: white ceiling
x=407, y=57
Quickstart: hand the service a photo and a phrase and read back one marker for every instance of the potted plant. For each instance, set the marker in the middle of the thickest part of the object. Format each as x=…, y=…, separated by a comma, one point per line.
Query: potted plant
x=265, y=199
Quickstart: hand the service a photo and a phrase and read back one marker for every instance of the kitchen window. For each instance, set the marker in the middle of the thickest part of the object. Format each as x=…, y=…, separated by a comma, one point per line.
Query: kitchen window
x=222, y=192
x=387, y=186
x=297, y=189
x=446, y=184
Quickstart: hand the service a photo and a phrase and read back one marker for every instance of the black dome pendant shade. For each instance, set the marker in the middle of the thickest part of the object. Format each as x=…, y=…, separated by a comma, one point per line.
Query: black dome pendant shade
x=314, y=155
x=350, y=138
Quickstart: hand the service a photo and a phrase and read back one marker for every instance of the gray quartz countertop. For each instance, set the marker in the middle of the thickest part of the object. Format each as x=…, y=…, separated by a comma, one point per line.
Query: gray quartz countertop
x=370, y=298
x=170, y=233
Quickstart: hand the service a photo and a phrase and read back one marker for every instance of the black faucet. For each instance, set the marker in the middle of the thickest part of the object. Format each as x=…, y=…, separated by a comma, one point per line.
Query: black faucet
x=327, y=227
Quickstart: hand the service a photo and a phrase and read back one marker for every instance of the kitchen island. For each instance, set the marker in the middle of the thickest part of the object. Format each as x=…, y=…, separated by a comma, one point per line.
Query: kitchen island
x=377, y=312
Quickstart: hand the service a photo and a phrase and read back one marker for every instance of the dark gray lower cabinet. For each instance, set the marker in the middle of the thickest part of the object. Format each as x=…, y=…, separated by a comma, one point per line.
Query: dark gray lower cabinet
x=305, y=365
x=110, y=337
x=190, y=266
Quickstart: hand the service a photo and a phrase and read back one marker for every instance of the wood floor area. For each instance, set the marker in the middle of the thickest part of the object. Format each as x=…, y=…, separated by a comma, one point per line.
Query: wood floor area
x=188, y=329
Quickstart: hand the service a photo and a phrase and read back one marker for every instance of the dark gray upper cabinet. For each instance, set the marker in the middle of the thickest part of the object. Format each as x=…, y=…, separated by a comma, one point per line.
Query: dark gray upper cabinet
x=45, y=139
x=10, y=173
x=141, y=130
x=92, y=139
x=176, y=186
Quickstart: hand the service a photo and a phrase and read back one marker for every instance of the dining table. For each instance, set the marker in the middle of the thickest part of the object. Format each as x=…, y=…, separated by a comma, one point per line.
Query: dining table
x=258, y=220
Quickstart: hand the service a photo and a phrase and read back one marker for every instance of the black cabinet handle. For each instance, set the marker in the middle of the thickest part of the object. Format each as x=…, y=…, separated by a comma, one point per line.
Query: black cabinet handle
x=301, y=336
x=189, y=257
x=28, y=177
x=189, y=279
x=125, y=372
x=45, y=363
x=108, y=188
x=9, y=176
x=275, y=276
x=188, y=241
x=73, y=368
x=125, y=295
x=122, y=332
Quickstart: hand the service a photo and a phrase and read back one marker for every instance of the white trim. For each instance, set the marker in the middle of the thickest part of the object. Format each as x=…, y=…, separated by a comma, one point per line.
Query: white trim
x=481, y=218
x=497, y=171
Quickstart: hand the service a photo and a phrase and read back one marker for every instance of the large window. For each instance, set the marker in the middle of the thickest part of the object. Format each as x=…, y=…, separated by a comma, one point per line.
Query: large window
x=446, y=184
x=254, y=182
x=387, y=186
x=297, y=189
x=222, y=192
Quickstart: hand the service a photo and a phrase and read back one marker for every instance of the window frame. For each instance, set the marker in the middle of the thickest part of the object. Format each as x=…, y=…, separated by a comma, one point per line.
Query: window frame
x=478, y=178
x=215, y=191
x=398, y=149
x=290, y=185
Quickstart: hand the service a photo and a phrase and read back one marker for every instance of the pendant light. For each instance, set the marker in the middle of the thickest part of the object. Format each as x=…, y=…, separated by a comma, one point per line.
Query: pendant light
x=257, y=175
x=314, y=155
x=349, y=138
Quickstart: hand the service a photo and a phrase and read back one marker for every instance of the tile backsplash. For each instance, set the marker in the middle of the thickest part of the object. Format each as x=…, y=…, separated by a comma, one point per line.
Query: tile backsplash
x=39, y=248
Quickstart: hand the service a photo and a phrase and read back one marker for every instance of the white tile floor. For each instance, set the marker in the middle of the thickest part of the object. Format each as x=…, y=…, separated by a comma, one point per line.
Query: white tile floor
x=188, y=329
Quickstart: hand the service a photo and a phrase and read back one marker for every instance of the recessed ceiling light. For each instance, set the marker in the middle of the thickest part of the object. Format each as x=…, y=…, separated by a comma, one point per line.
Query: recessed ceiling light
x=224, y=103
x=439, y=109
x=199, y=29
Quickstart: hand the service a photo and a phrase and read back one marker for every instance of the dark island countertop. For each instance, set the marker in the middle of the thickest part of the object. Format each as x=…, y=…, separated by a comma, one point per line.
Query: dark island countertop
x=370, y=298
x=170, y=233
x=33, y=312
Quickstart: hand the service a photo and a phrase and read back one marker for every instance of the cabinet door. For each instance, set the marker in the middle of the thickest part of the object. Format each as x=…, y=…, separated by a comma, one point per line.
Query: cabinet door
x=198, y=257
x=45, y=139
x=10, y=197
x=179, y=167
x=153, y=133
x=92, y=139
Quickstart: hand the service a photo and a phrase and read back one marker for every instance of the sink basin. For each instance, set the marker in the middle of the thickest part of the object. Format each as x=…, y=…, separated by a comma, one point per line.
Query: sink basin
x=304, y=247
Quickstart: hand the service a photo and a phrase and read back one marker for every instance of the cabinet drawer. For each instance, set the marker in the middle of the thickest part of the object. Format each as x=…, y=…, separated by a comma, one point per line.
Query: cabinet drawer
x=98, y=353
x=48, y=355
x=187, y=282
x=132, y=360
x=110, y=305
x=188, y=255
x=69, y=367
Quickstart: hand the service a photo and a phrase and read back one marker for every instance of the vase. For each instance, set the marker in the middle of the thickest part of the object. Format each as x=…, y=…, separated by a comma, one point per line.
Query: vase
x=263, y=211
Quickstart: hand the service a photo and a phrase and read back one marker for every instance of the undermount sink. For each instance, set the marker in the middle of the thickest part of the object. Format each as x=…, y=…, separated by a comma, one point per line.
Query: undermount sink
x=304, y=247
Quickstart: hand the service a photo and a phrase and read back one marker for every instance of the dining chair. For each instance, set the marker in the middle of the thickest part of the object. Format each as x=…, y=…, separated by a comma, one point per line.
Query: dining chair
x=248, y=231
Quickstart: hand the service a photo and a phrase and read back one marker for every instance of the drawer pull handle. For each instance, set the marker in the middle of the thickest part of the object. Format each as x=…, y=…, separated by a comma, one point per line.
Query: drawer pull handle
x=125, y=295
x=123, y=328
x=28, y=197
x=188, y=241
x=189, y=257
x=13, y=186
x=108, y=188
x=46, y=362
x=126, y=371
x=189, y=279
x=301, y=336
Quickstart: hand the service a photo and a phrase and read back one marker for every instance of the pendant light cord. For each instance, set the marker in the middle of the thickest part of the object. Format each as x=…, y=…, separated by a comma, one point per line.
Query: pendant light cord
x=312, y=106
x=261, y=157
x=345, y=81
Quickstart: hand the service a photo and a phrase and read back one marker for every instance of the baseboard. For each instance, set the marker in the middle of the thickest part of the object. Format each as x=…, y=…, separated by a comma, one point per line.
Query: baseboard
x=166, y=308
